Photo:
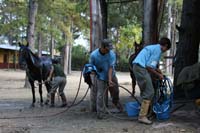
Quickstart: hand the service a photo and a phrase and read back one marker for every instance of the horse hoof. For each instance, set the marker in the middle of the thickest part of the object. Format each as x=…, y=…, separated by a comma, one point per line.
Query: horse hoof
x=32, y=105
x=41, y=105
x=46, y=102
x=52, y=106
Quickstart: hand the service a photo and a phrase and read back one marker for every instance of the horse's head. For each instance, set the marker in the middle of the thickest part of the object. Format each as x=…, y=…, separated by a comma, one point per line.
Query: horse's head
x=23, y=55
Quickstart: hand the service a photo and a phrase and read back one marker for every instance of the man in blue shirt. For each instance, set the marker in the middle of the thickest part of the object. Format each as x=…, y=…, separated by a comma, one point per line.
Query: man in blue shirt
x=145, y=62
x=104, y=60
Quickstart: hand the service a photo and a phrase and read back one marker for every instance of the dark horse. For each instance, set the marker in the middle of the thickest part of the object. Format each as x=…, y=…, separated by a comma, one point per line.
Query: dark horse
x=138, y=48
x=36, y=69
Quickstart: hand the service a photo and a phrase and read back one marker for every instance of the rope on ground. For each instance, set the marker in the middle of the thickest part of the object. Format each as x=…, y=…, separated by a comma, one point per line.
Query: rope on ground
x=112, y=114
x=58, y=113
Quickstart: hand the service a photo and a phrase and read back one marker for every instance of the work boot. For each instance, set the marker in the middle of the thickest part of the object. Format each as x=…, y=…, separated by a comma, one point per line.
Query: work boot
x=52, y=100
x=151, y=114
x=64, y=100
x=144, y=111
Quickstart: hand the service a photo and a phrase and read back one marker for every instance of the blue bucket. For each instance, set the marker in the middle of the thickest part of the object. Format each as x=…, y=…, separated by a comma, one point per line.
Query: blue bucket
x=163, y=115
x=132, y=108
x=162, y=111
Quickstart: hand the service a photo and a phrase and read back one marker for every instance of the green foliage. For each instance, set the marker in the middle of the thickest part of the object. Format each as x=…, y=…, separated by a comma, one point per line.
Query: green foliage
x=13, y=18
x=60, y=19
x=179, y=3
x=124, y=23
x=122, y=64
x=80, y=57
x=128, y=36
x=124, y=14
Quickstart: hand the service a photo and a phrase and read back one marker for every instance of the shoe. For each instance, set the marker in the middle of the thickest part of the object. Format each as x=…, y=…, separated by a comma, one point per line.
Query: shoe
x=144, y=120
x=144, y=111
x=63, y=105
x=101, y=116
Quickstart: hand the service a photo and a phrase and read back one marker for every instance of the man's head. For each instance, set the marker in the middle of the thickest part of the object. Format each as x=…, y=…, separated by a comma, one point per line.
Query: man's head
x=55, y=61
x=165, y=44
x=106, y=46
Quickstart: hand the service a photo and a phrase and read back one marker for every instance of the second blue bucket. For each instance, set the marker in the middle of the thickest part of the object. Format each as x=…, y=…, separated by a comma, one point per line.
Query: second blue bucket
x=132, y=108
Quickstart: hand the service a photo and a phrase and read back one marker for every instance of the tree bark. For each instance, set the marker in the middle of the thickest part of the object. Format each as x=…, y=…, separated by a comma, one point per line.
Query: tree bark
x=189, y=38
x=33, y=5
x=96, y=24
x=66, y=59
x=52, y=46
x=172, y=14
x=39, y=44
x=104, y=13
x=150, y=26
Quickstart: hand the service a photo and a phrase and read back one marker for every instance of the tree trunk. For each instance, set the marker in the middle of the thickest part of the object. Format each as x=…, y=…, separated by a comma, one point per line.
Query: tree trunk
x=172, y=35
x=96, y=25
x=66, y=59
x=189, y=38
x=104, y=13
x=52, y=46
x=33, y=5
x=39, y=44
x=150, y=26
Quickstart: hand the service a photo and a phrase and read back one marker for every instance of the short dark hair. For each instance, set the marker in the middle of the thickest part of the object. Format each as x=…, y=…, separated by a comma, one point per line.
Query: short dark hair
x=164, y=40
x=106, y=43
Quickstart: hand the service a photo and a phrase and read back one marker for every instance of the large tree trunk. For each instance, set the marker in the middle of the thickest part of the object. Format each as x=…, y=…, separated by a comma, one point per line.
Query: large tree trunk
x=150, y=25
x=52, y=44
x=172, y=14
x=31, y=29
x=67, y=60
x=104, y=13
x=189, y=38
x=39, y=44
x=96, y=24
x=33, y=5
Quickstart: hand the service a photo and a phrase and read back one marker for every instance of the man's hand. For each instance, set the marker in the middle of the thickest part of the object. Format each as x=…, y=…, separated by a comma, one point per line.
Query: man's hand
x=110, y=83
x=161, y=77
x=159, y=71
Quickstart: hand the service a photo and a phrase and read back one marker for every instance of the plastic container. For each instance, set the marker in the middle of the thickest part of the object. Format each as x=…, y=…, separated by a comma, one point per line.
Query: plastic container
x=163, y=115
x=162, y=111
x=132, y=108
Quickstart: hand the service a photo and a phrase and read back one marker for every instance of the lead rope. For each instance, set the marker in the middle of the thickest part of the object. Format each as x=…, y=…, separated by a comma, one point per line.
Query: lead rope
x=112, y=114
x=55, y=114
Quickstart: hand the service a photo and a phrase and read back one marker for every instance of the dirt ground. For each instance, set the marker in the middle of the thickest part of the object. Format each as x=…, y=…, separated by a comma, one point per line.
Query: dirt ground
x=16, y=115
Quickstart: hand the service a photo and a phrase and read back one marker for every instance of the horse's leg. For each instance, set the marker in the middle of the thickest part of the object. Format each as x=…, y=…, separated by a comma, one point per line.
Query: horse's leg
x=33, y=92
x=40, y=91
x=133, y=79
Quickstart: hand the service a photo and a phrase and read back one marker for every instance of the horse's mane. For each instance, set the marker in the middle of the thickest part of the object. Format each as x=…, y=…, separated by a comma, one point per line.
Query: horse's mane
x=33, y=54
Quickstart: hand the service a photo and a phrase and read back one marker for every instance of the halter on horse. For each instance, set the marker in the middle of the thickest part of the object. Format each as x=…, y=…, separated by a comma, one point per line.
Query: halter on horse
x=36, y=69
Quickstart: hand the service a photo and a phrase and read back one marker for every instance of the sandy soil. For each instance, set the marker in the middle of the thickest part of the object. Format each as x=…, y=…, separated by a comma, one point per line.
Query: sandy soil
x=16, y=116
